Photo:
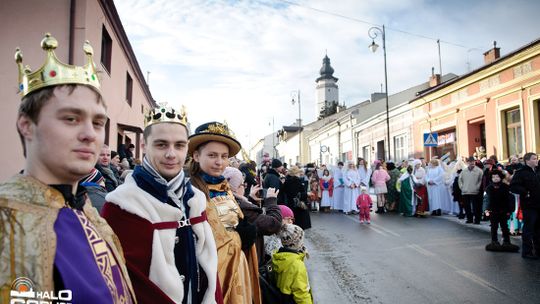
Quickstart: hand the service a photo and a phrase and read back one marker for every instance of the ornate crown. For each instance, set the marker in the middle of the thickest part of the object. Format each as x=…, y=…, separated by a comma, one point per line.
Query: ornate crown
x=164, y=113
x=54, y=72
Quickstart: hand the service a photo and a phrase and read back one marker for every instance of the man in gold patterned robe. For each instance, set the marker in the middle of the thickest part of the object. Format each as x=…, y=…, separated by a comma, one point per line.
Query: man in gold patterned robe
x=51, y=238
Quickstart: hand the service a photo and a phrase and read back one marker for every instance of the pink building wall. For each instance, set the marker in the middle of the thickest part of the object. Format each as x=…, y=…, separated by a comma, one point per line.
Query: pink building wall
x=54, y=17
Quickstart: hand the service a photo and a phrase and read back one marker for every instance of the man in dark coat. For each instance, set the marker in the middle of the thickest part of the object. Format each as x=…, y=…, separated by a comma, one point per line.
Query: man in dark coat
x=526, y=183
x=112, y=178
x=271, y=180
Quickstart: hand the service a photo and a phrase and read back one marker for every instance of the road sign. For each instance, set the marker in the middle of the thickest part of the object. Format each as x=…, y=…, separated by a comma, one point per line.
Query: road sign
x=430, y=139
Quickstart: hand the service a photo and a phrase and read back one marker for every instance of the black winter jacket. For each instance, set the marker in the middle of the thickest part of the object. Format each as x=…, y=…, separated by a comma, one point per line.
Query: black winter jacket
x=526, y=183
x=500, y=199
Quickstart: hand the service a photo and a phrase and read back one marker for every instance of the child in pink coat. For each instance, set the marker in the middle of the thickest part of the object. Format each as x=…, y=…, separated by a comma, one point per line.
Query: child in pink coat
x=363, y=202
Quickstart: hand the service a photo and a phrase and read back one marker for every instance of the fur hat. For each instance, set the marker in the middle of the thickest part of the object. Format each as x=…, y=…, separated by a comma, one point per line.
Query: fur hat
x=276, y=163
x=286, y=211
x=234, y=177
x=294, y=171
x=292, y=237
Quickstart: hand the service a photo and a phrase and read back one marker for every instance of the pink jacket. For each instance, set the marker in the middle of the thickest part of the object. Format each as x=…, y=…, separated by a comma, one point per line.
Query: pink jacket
x=380, y=177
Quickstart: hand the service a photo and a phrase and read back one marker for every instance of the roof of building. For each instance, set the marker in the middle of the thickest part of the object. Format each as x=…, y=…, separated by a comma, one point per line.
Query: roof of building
x=428, y=91
x=367, y=109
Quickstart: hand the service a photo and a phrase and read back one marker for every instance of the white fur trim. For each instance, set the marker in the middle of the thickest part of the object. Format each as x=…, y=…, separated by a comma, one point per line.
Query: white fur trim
x=163, y=272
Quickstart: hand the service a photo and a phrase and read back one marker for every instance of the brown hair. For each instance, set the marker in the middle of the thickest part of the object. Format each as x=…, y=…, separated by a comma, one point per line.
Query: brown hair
x=195, y=174
x=32, y=104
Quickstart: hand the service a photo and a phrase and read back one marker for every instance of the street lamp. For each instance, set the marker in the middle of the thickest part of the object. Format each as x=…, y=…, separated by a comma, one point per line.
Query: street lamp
x=296, y=94
x=373, y=33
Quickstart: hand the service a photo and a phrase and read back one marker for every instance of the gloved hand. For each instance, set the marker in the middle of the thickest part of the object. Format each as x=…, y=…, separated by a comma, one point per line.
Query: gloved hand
x=247, y=232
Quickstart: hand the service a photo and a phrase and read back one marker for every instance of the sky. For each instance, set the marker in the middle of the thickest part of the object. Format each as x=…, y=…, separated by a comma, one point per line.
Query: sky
x=243, y=61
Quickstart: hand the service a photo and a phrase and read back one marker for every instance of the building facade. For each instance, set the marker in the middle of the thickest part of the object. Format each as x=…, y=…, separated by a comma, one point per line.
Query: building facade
x=72, y=22
x=493, y=108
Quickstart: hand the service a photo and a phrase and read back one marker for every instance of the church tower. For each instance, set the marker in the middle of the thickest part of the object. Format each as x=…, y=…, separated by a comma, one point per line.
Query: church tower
x=327, y=89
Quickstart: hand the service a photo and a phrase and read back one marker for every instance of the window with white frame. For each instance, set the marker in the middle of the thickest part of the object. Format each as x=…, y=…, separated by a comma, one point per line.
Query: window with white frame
x=400, y=147
x=514, y=143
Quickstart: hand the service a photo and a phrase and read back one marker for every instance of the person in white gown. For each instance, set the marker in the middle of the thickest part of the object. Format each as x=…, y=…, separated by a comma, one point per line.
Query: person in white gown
x=352, y=186
x=326, y=184
x=339, y=187
x=436, y=186
x=364, y=172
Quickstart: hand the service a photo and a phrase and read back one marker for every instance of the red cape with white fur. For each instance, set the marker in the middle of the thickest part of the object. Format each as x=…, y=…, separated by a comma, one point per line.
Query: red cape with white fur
x=149, y=253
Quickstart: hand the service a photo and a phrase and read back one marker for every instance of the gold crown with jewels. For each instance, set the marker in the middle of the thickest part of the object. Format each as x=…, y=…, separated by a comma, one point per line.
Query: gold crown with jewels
x=54, y=72
x=164, y=113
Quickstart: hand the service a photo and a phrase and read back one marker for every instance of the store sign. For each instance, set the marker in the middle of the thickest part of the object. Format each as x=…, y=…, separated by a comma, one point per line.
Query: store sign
x=447, y=138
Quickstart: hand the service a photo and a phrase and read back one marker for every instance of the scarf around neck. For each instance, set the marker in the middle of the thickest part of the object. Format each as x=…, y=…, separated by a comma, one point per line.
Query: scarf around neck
x=176, y=187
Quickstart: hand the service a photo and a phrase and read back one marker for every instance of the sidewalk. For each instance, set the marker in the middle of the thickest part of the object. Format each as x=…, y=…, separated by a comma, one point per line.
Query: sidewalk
x=483, y=226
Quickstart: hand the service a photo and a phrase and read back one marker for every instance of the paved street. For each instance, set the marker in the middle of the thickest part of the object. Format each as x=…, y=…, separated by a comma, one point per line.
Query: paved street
x=413, y=260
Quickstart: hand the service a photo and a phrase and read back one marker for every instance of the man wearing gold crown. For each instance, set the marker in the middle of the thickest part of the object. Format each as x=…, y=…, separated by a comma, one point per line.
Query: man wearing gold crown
x=161, y=219
x=49, y=232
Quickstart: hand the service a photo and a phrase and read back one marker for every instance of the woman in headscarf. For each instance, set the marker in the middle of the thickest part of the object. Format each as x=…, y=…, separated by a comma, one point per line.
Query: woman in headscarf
x=294, y=191
x=211, y=146
x=421, y=195
x=352, y=189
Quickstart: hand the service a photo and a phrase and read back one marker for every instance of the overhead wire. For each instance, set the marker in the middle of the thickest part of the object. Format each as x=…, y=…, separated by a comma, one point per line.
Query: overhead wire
x=373, y=24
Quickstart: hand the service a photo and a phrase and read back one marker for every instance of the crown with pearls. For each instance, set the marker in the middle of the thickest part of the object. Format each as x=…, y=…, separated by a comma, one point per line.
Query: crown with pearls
x=165, y=113
x=54, y=72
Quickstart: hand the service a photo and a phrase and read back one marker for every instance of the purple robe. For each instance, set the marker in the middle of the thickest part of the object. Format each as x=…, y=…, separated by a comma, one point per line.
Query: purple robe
x=85, y=263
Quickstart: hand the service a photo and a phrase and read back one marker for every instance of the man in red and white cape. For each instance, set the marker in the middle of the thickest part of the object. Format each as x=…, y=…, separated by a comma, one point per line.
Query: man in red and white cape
x=160, y=220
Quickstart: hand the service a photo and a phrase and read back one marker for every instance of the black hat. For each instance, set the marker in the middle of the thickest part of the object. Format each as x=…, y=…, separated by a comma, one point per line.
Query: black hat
x=276, y=163
x=113, y=154
x=214, y=131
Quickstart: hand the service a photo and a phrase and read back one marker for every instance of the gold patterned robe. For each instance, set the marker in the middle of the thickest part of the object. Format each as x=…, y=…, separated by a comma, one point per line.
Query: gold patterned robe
x=238, y=277
x=28, y=211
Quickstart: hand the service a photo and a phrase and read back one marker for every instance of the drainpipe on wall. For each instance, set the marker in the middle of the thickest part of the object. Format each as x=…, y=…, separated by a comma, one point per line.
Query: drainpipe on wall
x=71, y=30
x=339, y=141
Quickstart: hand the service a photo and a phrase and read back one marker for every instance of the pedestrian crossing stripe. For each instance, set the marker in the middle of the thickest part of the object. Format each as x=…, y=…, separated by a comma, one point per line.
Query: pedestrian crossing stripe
x=430, y=139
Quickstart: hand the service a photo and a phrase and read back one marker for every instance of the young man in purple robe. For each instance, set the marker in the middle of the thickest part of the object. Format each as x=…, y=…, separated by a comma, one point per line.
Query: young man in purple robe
x=50, y=233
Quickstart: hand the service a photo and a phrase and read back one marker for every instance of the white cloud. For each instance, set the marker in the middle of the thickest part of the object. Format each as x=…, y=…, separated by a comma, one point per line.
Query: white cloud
x=239, y=60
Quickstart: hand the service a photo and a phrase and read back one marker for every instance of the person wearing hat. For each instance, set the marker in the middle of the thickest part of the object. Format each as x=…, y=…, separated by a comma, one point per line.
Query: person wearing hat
x=271, y=180
x=160, y=219
x=289, y=268
x=266, y=216
x=211, y=146
x=470, y=181
x=50, y=233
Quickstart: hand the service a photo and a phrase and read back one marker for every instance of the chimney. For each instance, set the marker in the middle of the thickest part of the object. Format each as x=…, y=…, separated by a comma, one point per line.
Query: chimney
x=377, y=96
x=492, y=54
x=435, y=79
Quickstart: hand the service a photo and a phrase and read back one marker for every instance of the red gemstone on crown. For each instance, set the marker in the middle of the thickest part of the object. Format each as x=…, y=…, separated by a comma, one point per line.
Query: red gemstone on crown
x=52, y=73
